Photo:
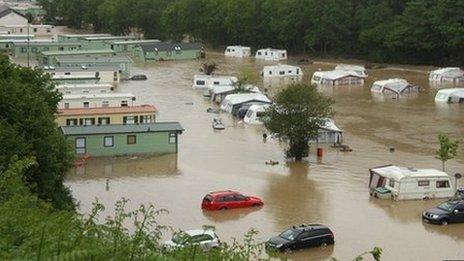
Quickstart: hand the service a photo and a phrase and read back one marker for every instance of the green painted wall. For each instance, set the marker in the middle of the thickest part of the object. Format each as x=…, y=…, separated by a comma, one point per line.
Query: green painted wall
x=146, y=143
x=125, y=67
x=166, y=56
x=34, y=50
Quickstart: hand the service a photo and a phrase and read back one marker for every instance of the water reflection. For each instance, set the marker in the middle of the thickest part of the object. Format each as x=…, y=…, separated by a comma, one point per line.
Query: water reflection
x=135, y=166
x=229, y=215
x=408, y=211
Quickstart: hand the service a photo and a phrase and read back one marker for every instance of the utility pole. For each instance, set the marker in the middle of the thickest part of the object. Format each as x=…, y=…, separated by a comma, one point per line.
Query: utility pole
x=28, y=37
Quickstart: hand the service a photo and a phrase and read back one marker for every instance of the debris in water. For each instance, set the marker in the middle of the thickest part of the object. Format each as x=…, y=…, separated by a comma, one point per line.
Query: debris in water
x=272, y=162
x=211, y=110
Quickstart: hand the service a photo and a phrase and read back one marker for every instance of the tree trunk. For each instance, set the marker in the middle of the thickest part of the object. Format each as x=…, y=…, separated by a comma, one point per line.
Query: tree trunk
x=443, y=165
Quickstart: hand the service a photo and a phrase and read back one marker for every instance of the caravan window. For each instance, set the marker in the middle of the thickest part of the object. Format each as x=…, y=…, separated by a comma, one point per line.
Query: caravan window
x=259, y=53
x=391, y=183
x=423, y=183
x=228, y=50
x=199, y=82
x=216, y=83
x=443, y=184
x=316, y=78
x=260, y=114
x=282, y=72
x=249, y=113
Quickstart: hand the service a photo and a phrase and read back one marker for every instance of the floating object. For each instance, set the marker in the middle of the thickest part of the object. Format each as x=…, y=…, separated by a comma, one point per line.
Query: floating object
x=271, y=162
x=217, y=124
x=345, y=148
x=392, y=149
x=139, y=77
x=212, y=110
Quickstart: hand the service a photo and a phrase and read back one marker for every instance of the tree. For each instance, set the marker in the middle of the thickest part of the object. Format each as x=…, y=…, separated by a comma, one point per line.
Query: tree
x=28, y=104
x=208, y=68
x=296, y=115
x=447, y=150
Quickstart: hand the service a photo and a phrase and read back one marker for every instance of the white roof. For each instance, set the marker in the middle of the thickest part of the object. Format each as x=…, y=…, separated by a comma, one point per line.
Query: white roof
x=395, y=84
x=60, y=77
x=329, y=124
x=195, y=232
x=449, y=71
x=280, y=66
x=398, y=173
x=213, y=77
x=452, y=91
x=258, y=107
x=97, y=96
x=96, y=85
x=272, y=50
x=245, y=97
x=238, y=47
x=337, y=74
x=349, y=67
x=221, y=89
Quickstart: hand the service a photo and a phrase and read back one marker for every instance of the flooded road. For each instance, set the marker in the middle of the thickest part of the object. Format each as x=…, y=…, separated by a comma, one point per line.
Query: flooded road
x=332, y=191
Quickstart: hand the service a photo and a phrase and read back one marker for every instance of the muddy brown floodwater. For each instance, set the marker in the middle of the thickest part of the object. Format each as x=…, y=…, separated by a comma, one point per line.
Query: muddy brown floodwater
x=332, y=191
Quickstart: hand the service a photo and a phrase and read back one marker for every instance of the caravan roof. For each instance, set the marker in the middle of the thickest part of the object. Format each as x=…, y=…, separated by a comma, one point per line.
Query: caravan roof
x=329, y=125
x=399, y=173
x=396, y=85
x=245, y=97
x=336, y=74
x=449, y=72
x=447, y=95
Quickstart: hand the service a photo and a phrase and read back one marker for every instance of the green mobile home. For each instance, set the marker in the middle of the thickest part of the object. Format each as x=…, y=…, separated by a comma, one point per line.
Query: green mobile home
x=117, y=140
x=164, y=51
x=21, y=49
x=124, y=63
x=77, y=37
x=128, y=47
x=102, y=42
x=48, y=58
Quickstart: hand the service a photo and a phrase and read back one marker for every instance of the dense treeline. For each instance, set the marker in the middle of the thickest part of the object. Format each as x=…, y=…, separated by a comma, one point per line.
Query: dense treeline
x=408, y=31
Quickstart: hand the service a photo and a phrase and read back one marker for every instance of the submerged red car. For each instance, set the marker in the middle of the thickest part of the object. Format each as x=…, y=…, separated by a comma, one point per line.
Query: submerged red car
x=222, y=200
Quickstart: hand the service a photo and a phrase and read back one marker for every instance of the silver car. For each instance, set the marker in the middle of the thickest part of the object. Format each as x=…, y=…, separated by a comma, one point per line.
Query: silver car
x=206, y=239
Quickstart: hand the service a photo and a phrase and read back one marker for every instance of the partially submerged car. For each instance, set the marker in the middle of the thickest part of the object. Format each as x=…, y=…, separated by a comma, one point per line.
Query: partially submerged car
x=222, y=200
x=300, y=237
x=204, y=238
x=451, y=211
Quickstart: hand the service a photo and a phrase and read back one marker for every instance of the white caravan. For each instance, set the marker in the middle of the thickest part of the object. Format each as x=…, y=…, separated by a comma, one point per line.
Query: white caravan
x=411, y=183
x=84, y=88
x=394, y=86
x=70, y=101
x=255, y=114
x=336, y=77
x=270, y=54
x=237, y=51
x=282, y=70
x=452, y=95
x=233, y=102
x=447, y=75
x=203, y=81
x=358, y=69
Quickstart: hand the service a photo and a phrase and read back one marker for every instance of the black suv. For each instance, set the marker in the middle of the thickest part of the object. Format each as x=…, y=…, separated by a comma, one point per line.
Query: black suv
x=302, y=236
x=451, y=211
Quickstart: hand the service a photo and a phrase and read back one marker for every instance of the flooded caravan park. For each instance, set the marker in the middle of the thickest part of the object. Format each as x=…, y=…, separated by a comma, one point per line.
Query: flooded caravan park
x=332, y=191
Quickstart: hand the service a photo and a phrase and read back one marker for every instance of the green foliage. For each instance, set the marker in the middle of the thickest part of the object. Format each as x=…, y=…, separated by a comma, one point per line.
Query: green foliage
x=296, y=115
x=27, y=129
x=209, y=68
x=448, y=149
x=412, y=31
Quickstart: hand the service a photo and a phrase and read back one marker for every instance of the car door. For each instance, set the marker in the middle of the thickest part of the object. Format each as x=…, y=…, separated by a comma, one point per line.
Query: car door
x=230, y=201
x=304, y=240
x=241, y=200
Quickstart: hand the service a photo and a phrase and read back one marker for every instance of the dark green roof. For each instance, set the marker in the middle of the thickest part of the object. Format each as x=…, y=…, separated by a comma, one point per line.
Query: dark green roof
x=120, y=128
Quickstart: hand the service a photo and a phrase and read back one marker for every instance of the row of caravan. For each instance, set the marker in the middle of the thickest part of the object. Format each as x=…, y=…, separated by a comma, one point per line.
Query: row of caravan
x=268, y=54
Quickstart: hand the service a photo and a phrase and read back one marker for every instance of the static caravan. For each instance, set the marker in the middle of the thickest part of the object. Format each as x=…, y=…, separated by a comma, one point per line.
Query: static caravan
x=237, y=51
x=70, y=101
x=255, y=114
x=447, y=75
x=88, y=78
x=129, y=139
x=270, y=54
x=49, y=57
x=452, y=95
x=329, y=133
x=106, y=115
x=282, y=70
x=35, y=29
x=164, y=51
x=410, y=183
x=35, y=47
x=209, y=81
x=219, y=92
x=358, y=69
x=105, y=74
x=336, y=77
x=84, y=88
x=128, y=47
x=77, y=37
x=102, y=42
x=124, y=63
x=233, y=102
x=394, y=86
